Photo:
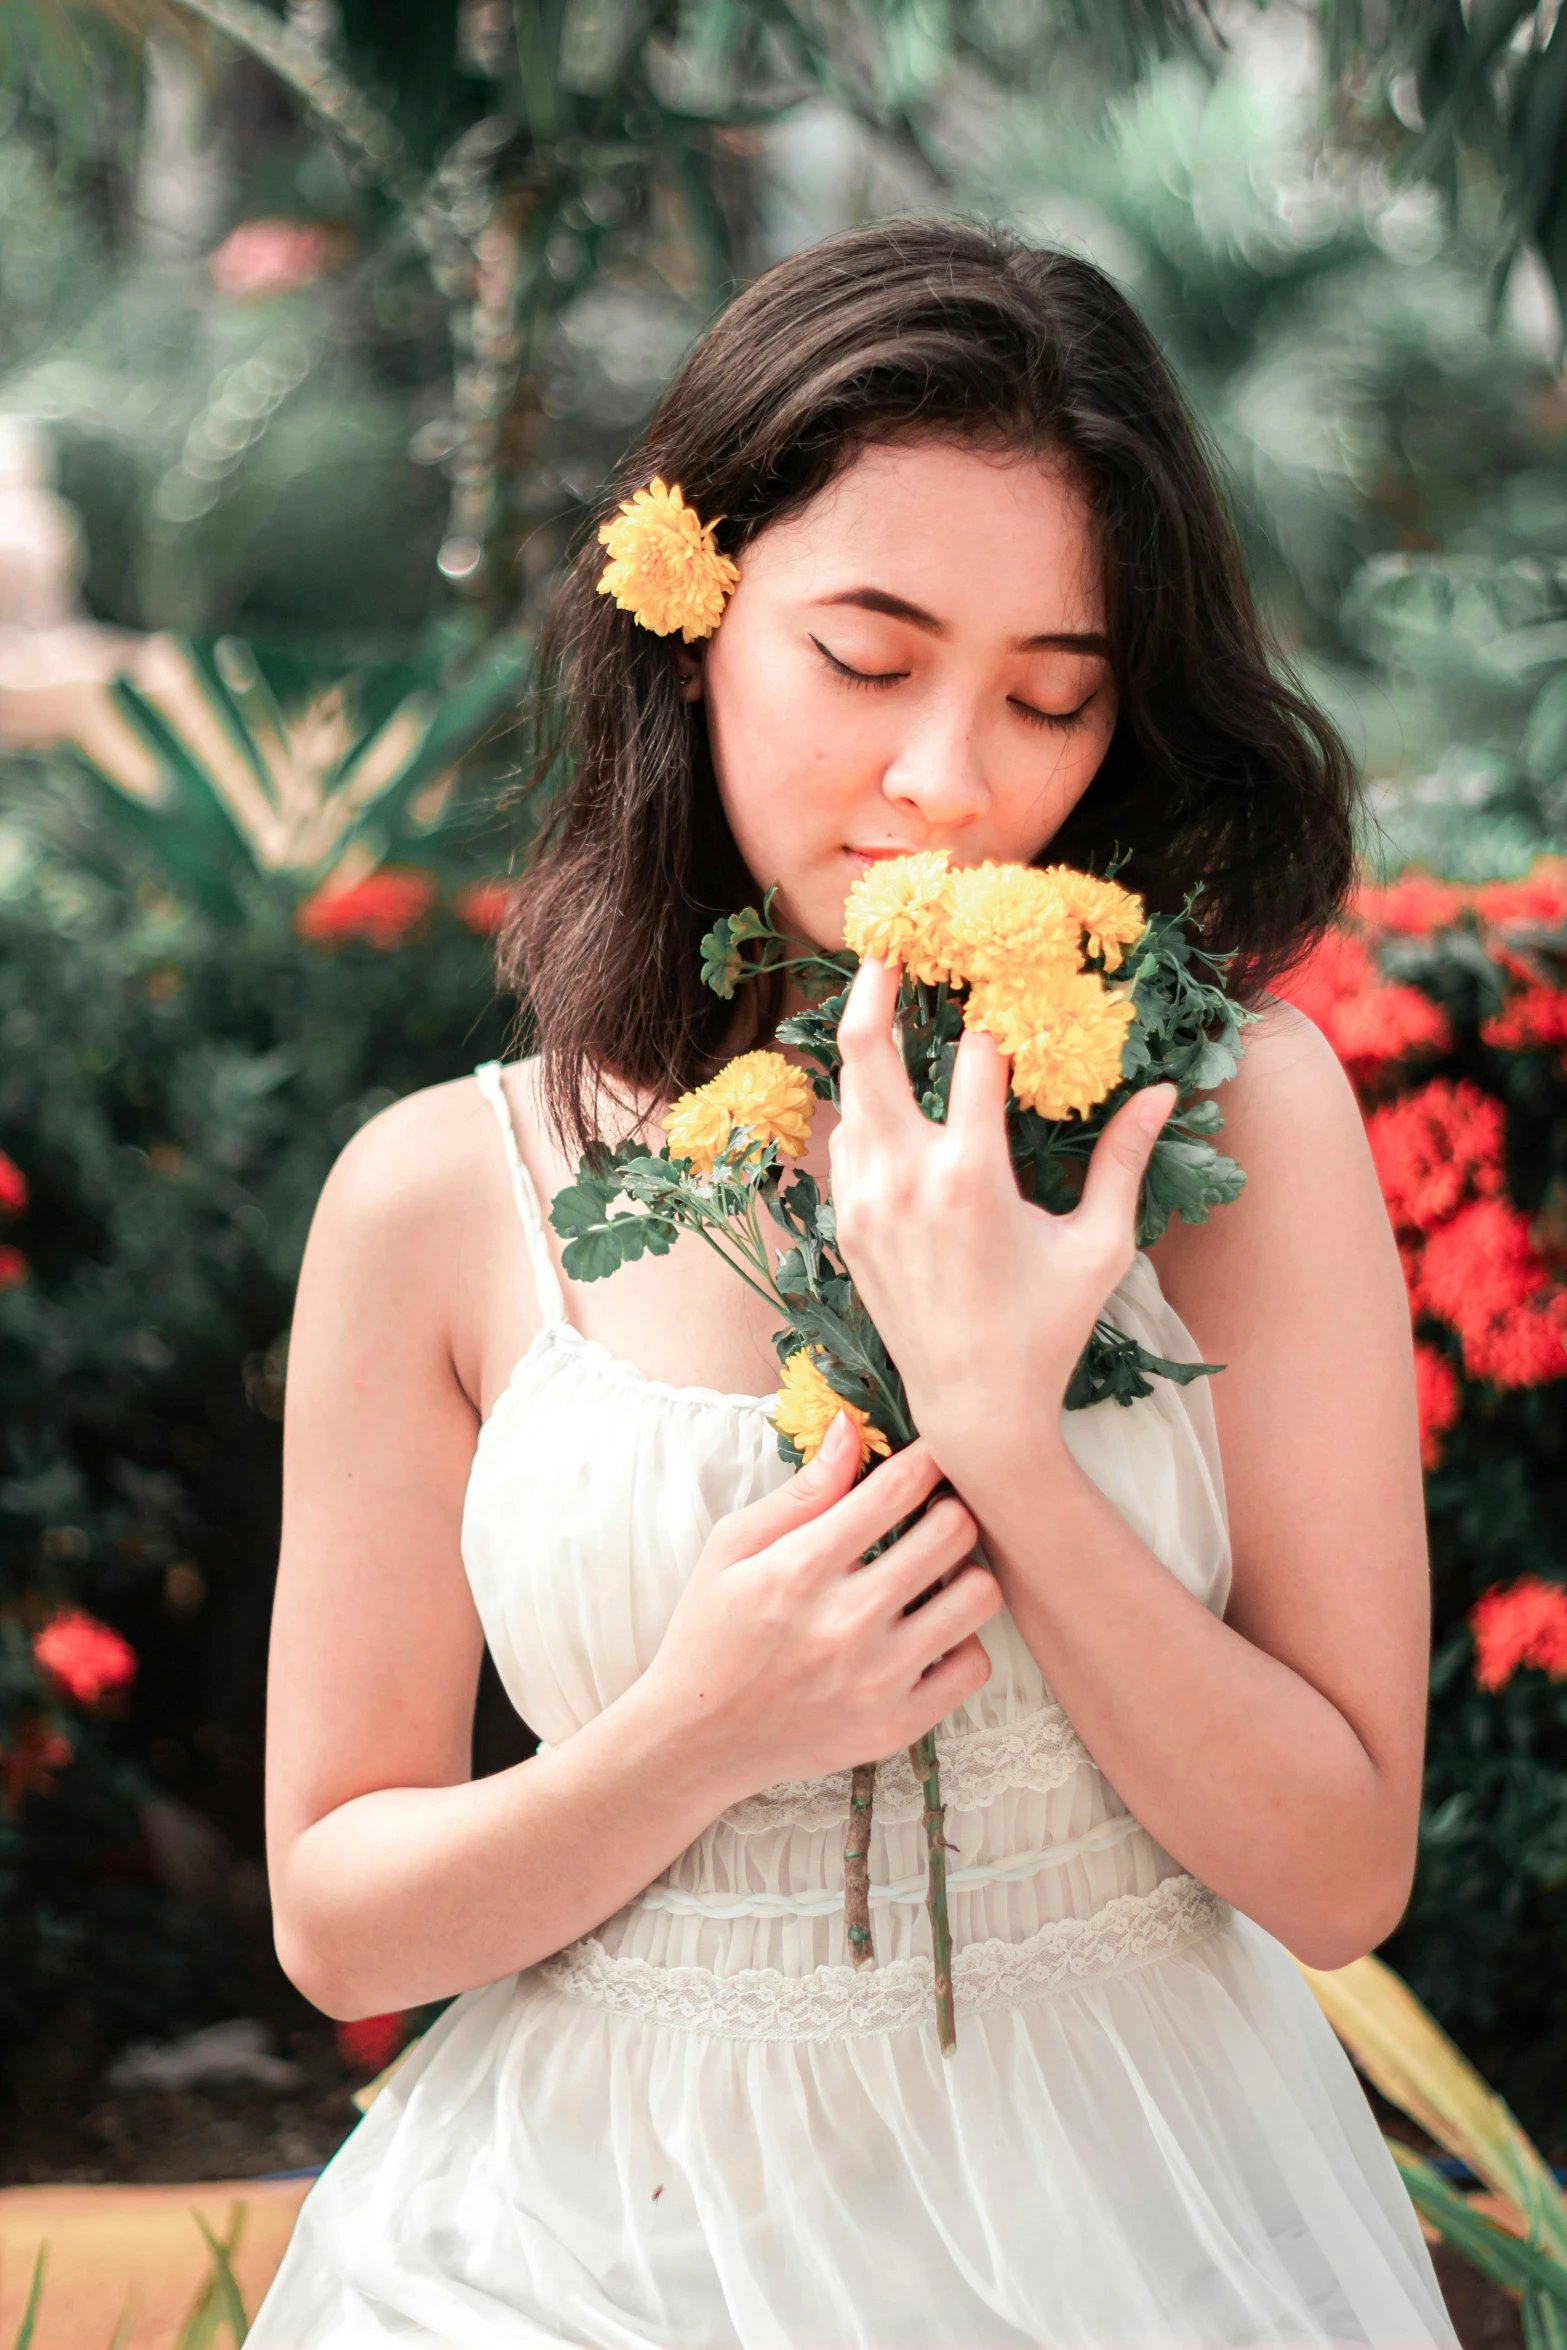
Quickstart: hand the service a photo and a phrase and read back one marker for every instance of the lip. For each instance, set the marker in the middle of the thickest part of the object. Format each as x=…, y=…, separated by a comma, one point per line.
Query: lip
x=876, y=856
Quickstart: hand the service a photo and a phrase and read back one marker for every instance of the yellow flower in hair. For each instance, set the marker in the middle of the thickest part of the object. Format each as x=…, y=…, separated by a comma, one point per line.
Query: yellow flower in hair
x=1112, y=917
x=1009, y=921
x=663, y=567
x=900, y=911
x=807, y=1406
x=1066, y=1036
x=761, y=1092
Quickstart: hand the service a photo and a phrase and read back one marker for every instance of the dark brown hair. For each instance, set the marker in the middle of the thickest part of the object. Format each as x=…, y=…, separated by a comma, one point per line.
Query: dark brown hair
x=1219, y=773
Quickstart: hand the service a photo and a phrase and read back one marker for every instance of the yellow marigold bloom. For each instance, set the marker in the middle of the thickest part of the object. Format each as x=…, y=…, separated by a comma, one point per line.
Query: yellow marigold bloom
x=900, y=911
x=663, y=567
x=1010, y=919
x=761, y=1092
x=1017, y=1006
x=1072, y=1059
x=1113, y=918
x=807, y=1407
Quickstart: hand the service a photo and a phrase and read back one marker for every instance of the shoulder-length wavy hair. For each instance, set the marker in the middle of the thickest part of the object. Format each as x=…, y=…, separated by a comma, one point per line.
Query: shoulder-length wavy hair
x=1220, y=773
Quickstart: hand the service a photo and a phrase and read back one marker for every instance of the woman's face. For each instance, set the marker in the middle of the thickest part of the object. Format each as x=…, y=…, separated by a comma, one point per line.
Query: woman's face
x=916, y=660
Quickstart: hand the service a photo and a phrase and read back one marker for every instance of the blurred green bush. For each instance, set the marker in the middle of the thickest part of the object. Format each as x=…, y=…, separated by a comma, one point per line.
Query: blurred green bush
x=173, y=1088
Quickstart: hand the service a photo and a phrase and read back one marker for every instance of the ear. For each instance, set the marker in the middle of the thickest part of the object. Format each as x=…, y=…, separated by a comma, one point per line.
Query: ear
x=689, y=664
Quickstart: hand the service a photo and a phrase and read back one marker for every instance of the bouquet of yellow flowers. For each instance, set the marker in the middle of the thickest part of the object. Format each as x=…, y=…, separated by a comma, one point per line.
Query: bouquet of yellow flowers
x=1090, y=997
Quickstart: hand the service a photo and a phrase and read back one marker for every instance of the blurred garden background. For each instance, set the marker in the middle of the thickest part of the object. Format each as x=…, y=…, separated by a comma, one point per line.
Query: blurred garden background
x=320, y=326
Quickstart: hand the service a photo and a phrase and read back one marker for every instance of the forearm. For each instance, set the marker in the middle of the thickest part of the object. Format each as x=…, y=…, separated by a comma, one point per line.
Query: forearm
x=1243, y=1770
x=407, y=1894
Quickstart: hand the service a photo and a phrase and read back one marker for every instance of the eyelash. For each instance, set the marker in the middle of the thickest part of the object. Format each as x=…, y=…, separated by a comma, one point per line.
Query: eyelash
x=878, y=680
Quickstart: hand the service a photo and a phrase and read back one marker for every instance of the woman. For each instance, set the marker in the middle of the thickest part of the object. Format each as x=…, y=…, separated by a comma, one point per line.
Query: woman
x=987, y=601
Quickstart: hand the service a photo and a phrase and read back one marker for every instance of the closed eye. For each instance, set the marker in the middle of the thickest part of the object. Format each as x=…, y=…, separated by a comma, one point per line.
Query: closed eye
x=1050, y=717
x=870, y=677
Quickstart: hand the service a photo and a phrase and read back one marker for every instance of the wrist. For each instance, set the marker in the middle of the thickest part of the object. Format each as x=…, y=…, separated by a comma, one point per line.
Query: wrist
x=989, y=1453
x=668, y=1730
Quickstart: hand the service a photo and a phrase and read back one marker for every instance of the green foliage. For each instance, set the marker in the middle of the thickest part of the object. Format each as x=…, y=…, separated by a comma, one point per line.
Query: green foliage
x=174, y=1088
x=242, y=762
x=219, y=2303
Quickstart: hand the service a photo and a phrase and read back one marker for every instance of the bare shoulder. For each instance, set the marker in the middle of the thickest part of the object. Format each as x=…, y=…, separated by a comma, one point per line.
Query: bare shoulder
x=1290, y=1081
x=427, y=1160
x=410, y=1201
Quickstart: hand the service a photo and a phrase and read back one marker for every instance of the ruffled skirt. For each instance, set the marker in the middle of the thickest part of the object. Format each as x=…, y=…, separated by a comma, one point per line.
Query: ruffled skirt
x=1169, y=2152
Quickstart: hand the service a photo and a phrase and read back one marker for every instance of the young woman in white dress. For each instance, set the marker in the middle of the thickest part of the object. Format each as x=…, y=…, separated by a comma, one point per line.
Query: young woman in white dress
x=988, y=601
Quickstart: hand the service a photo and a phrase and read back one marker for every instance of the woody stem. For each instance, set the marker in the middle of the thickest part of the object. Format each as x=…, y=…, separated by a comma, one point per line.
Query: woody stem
x=922, y=1754
x=857, y=1866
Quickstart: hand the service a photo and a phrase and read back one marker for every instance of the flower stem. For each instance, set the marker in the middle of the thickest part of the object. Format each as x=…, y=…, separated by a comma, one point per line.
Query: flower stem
x=922, y=1754
x=857, y=1866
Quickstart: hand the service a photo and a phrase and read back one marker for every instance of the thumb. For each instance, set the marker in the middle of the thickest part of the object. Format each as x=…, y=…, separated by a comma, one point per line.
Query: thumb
x=824, y=1479
x=1120, y=1161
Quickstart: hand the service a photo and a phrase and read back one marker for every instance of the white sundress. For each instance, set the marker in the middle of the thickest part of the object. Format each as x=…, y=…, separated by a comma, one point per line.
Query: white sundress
x=700, y=2128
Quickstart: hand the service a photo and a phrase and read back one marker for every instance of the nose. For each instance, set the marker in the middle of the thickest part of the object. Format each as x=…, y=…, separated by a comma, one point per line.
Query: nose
x=937, y=768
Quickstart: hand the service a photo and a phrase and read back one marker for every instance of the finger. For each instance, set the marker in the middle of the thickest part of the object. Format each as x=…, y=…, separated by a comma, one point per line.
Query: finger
x=942, y=1537
x=803, y=1498
x=938, y=1692
x=893, y=1490
x=976, y=1106
x=959, y=1608
x=875, y=1083
x=1108, y=1207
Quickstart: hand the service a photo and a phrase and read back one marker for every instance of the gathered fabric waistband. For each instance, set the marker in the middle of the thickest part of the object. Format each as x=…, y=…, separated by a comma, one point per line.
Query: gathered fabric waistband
x=844, y=2002
x=1011, y=1871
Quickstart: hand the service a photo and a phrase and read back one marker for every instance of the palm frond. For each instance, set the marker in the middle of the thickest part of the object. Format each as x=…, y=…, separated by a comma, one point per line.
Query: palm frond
x=202, y=759
x=1402, y=2049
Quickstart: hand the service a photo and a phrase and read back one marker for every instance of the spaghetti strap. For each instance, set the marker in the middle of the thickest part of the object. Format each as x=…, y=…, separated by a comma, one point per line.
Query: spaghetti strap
x=552, y=1302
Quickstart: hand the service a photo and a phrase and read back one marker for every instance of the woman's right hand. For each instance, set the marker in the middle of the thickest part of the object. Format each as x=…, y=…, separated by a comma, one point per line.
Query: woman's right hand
x=788, y=1656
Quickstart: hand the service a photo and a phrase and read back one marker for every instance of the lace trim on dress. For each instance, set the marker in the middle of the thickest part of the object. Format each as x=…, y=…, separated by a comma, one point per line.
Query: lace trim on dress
x=842, y=2002
x=1039, y=1752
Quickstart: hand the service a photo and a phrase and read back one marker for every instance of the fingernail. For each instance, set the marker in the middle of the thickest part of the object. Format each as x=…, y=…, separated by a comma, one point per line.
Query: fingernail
x=1156, y=1105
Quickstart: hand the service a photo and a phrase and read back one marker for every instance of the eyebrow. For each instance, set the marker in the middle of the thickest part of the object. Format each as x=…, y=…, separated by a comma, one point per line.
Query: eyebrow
x=873, y=599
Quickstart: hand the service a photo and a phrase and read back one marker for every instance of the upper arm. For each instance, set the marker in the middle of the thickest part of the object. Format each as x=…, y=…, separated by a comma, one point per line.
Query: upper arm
x=1296, y=1288
x=375, y=1640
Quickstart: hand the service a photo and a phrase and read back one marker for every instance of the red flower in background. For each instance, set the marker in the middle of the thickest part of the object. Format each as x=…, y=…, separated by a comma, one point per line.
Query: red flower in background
x=1435, y=1149
x=13, y=1187
x=1436, y=1396
x=485, y=905
x=385, y=909
x=369, y=2043
x=263, y=257
x=1533, y=1019
x=1537, y=902
x=1524, y=1625
x=1370, y=1022
x=13, y=1267
x=1482, y=1274
x=84, y=1657
x=28, y=1765
x=1414, y=905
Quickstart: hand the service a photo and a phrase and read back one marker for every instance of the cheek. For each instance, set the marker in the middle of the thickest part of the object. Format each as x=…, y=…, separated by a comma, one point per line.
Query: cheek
x=778, y=750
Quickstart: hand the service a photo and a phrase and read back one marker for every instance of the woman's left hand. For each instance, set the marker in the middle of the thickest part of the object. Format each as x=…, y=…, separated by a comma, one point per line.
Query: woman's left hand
x=985, y=1301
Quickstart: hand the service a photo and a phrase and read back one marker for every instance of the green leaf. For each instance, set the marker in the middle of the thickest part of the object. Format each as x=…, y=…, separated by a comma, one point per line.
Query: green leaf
x=1545, y=2318
x=1116, y=1368
x=29, y=2322
x=226, y=2290
x=218, y=2302
x=722, y=966
x=597, y=1242
x=1514, y=2265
